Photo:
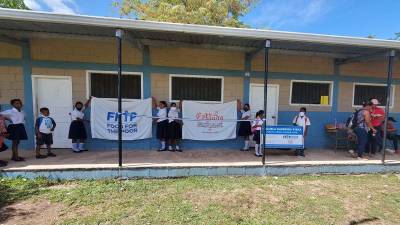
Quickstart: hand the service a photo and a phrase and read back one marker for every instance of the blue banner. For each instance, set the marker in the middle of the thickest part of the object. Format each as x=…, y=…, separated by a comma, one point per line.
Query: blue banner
x=284, y=137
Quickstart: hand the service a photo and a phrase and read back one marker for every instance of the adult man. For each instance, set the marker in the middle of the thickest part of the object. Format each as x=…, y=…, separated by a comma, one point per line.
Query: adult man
x=377, y=118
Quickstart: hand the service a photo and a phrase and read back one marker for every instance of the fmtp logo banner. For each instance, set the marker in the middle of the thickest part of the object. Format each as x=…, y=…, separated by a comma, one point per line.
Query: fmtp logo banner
x=135, y=117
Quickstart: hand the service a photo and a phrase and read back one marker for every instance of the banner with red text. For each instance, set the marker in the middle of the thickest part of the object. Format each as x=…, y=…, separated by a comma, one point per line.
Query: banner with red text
x=209, y=122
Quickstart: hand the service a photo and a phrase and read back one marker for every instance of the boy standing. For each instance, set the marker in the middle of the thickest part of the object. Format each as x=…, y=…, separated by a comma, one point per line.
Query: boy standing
x=303, y=121
x=44, y=128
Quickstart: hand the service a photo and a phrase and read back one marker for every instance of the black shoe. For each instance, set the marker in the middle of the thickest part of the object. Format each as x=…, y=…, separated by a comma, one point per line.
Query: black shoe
x=41, y=156
x=162, y=150
x=77, y=151
x=19, y=159
x=3, y=163
x=50, y=154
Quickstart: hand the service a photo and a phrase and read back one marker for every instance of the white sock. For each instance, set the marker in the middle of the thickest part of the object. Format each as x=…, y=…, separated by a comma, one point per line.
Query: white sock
x=162, y=144
x=170, y=147
x=81, y=146
x=256, y=149
x=246, y=145
x=75, y=147
x=177, y=147
x=259, y=151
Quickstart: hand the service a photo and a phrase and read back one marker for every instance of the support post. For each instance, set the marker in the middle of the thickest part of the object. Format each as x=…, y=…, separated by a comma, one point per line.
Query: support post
x=266, y=73
x=388, y=97
x=118, y=35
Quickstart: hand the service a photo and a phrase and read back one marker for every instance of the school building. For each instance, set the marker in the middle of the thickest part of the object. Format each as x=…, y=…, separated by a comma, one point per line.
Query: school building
x=55, y=60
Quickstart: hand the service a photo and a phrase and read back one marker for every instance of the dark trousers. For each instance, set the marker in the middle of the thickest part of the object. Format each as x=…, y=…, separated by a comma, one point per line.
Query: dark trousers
x=362, y=140
x=375, y=140
x=393, y=137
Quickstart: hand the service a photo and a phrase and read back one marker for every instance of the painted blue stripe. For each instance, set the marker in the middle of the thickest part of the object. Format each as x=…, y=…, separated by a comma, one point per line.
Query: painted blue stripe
x=10, y=62
x=28, y=105
x=146, y=73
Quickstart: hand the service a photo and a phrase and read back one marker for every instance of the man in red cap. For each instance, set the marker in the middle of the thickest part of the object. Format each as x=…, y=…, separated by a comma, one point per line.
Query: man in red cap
x=377, y=118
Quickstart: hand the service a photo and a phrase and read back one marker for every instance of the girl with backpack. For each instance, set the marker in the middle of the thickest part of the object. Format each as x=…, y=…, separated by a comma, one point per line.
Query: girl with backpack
x=362, y=125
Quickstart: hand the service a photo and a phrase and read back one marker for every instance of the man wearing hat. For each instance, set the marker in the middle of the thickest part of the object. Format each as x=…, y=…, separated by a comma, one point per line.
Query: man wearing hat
x=392, y=133
x=377, y=118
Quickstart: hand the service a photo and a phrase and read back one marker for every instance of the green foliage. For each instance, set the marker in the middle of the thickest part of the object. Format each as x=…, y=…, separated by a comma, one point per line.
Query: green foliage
x=13, y=4
x=397, y=36
x=206, y=12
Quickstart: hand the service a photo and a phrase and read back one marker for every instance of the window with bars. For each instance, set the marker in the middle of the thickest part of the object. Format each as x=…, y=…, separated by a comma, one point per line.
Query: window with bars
x=364, y=92
x=311, y=93
x=196, y=88
x=105, y=85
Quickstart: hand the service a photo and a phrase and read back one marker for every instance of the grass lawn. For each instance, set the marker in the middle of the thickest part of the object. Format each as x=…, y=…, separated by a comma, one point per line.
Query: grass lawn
x=352, y=199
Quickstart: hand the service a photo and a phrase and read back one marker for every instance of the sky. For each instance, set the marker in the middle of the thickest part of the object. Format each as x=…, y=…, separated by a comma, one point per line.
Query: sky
x=360, y=18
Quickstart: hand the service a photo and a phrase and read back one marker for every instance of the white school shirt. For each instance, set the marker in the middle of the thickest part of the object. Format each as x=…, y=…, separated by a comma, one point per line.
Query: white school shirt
x=302, y=121
x=46, y=125
x=246, y=114
x=173, y=114
x=162, y=113
x=257, y=121
x=76, y=114
x=16, y=117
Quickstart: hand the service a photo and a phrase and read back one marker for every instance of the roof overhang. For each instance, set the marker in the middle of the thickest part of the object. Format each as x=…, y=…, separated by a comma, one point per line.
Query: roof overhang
x=23, y=24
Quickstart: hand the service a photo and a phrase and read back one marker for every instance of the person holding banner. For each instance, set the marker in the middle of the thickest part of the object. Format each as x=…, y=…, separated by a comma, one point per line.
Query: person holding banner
x=174, y=127
x=256, y=130
x=162, y=123
x=244, y=126
x=303, y=121
x=77, y=131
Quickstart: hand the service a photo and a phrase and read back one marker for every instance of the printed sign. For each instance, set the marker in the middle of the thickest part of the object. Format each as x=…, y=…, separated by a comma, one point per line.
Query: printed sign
x=283, y=137
x=136, y=119
x=209, y=122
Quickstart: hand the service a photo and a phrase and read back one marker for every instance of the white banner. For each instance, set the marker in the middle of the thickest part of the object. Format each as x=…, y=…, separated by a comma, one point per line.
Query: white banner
x=209, y=122
x=136, y=119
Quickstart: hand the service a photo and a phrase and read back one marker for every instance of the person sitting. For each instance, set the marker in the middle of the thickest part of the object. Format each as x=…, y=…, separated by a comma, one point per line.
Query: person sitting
x=392, y=133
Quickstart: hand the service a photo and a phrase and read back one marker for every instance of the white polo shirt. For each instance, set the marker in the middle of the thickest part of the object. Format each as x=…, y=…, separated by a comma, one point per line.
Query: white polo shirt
x=302, y=121
x=16, y=117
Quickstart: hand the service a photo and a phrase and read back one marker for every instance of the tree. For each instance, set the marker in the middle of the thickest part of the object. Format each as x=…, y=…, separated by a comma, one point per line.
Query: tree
x=207, y=12
x=13, y=4
x=397, y=36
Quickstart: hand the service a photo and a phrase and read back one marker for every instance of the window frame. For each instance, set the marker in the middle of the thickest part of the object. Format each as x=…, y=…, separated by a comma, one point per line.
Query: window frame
x=392, y=97
x=331, y=86
x=196, y=76
x=89, y=80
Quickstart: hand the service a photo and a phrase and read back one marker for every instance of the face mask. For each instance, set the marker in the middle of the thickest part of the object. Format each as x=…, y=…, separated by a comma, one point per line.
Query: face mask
x=173, y=108
x=302, y=114
x=246, y=108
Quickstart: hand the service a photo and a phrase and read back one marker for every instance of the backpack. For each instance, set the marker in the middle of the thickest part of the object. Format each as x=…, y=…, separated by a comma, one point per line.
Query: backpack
x=352, y=121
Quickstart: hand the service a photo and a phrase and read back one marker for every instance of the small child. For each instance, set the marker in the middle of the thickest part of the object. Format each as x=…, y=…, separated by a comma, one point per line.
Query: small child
x=162, y=125
x=245, y=126
x=44, y=128
x=77, y=131
x=16, y=129
x=303, y=121
x=256, y=128
x=174, y=127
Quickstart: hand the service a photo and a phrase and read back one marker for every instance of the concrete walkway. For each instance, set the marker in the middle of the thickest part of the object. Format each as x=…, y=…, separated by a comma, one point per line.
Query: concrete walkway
x=67, y=160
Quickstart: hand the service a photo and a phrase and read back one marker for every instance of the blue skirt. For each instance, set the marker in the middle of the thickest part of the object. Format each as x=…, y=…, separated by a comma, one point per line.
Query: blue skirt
x=17, y=132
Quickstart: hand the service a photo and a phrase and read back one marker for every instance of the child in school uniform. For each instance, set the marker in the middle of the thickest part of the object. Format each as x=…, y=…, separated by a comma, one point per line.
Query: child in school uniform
x=16, y=129
x=256, y=127
x=174, y=128
x=44, y=128
x=245, y=126
x=77, y=131
x=302, y=120
x=162, y=125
